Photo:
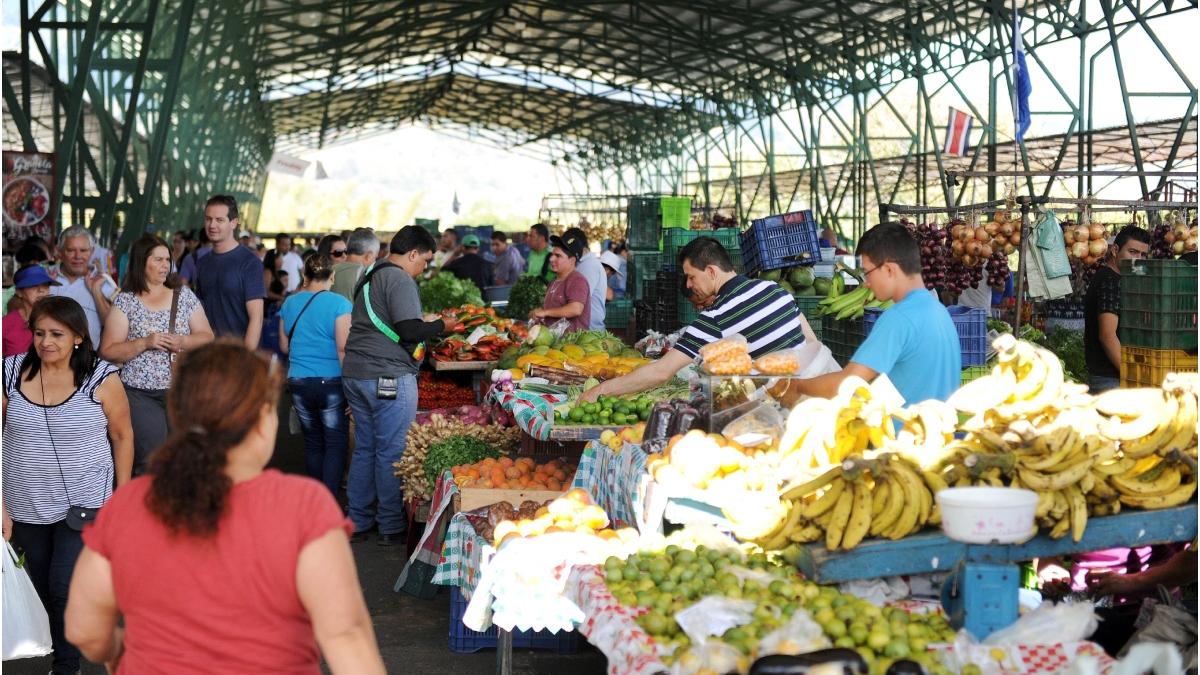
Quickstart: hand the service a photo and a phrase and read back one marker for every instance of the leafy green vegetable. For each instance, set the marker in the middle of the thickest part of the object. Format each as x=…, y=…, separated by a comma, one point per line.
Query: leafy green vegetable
x=1067, y=344
x=999, y=326
x=453, y=451
x=527, y=294
x=445, y=291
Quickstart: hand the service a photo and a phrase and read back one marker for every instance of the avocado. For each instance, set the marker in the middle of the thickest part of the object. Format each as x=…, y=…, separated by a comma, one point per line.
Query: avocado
x=822, y=285
x=771, y=275
x=787, y=287
x=806, y=291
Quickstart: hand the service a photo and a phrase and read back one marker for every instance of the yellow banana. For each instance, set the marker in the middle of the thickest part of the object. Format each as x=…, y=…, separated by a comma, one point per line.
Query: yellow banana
x=1158, y=480
x=1078, y=512
x=838, y=520
x=1044, y=504
x=1066, y=443
x=893, y=505
x=879, y=497
x=826, y=501
x=1056, y=481
x=806, y=534
x=1165, y=431
x=1185, y=437
x=1061, y=527
x=909, y=515
x=1175, y=497
x=808, y=487
x=860, y=517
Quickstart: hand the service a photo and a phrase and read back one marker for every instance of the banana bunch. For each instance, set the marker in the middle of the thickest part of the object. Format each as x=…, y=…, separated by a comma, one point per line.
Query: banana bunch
x=823, y=432
x=886, y=496
x=850, y=305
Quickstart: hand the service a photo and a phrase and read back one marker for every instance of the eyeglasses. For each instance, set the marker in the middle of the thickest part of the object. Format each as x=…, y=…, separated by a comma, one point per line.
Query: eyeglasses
x=867, y=273
x=337, y=253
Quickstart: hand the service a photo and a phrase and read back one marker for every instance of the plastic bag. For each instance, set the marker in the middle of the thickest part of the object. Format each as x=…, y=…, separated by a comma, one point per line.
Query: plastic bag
x=727, y=356
x=26, y=624
x=713, y=615
x=1152, y=657
x=1167, y=625
x=782, y=362
x=763, y=423
x=711, y=657
x=1049, y=624
x=800, y=635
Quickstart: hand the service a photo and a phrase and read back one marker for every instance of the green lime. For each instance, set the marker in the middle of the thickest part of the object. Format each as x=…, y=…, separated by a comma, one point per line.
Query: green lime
x=644, y=414
x=897, y=649
x=834, y=629
x=576, y=414
x=588, y=419
x=619, y=419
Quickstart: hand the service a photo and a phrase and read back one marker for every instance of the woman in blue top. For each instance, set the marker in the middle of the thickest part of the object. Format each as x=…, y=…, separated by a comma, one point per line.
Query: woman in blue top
x=313, y=326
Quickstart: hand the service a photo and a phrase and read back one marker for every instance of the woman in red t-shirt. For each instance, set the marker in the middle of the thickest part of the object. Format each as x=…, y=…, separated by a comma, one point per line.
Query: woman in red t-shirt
x=216, y=565
x=568, y=296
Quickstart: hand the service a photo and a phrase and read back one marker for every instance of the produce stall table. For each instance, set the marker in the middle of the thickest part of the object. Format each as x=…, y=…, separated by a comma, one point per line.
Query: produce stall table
x=478, y=370
x=612, y=478
x=983, y=591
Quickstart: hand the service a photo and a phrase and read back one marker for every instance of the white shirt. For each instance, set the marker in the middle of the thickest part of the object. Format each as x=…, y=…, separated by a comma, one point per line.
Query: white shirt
x=78, y=291
x=592, y=270
x=293, y=264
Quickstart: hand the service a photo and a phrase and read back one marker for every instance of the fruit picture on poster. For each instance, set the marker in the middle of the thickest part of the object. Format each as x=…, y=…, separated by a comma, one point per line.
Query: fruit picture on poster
x=28, y=195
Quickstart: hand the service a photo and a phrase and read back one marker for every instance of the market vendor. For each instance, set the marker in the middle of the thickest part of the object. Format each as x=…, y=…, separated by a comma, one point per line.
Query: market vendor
x=914, y=343
x=569, y=295
x=1101, y=307
x=759, y=310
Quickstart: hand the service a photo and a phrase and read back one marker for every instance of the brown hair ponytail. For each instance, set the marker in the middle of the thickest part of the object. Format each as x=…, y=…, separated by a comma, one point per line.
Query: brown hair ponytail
x=216, y=398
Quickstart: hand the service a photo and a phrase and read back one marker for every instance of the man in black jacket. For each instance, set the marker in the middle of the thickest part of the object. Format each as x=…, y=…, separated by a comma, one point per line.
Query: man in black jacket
x=471, y=266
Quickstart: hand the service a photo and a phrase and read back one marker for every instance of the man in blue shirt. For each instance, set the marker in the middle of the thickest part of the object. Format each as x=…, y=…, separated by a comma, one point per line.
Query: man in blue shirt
x=914, y=343
x=229, y=281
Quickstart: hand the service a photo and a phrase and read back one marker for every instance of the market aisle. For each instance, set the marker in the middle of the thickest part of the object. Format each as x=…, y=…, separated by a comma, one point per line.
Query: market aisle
x=412, y=633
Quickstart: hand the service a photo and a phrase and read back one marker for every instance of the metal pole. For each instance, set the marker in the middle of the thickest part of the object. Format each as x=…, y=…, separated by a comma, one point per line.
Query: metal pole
x=503, y=652
x=1019, y=286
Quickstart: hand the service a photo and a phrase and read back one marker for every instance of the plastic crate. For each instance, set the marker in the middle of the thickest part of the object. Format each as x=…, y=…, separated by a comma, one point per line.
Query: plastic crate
x=617, y=313
x=643, y=271
x=657, y=317
x=781, y=241
x=644, y=223
x=1143, y=367
x=974, y=373
x=675, y=239
x=807, y=304
x=686, y=312
x=463, y=640
x=1158, y=304
x=971, y=324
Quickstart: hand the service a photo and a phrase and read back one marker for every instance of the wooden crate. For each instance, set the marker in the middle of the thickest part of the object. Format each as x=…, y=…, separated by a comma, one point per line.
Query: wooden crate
x=557, y=375
x=571, y=450
x=470, y=499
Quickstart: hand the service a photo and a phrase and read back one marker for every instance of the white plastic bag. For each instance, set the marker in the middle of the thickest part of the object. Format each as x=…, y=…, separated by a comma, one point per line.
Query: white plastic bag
x=1049, y=624
x=26, y=624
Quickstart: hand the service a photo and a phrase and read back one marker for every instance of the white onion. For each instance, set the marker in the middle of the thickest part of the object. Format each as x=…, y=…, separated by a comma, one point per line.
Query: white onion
x=1178, y=246
x=1068, y=237
x=1096, y=231
x=1097, y=247
x=1079, y=249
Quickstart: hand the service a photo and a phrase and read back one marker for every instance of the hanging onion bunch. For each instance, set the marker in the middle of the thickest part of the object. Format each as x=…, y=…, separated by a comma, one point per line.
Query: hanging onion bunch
x=1086, y=243
x=935, y=258
x=974, y=245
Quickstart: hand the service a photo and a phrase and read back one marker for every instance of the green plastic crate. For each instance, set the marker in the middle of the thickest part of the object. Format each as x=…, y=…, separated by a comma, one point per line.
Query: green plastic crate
x=618, y=313
x=643, y=270
x=807, y=304
x=686, y=312
x=974, y=373
x=1158, y=304
x=675, y=239
x=644, y=223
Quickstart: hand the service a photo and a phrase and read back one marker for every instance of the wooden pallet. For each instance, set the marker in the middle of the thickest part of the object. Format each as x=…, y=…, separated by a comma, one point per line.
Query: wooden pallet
x=463, y=365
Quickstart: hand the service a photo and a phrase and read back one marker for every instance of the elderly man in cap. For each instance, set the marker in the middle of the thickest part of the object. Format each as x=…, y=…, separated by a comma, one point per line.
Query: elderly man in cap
x=569, y=296
x=471, y=266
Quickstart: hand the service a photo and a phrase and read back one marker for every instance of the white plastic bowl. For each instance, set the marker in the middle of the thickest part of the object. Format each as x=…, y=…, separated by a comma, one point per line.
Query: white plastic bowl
x=987, y=515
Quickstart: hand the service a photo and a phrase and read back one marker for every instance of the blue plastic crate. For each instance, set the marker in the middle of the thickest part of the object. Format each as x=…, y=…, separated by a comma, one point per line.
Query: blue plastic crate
x=776, y=242
x=463, y=640
x=971, y=324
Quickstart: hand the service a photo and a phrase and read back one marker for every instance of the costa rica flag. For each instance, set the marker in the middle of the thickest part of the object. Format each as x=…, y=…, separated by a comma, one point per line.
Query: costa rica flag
x=958, y=133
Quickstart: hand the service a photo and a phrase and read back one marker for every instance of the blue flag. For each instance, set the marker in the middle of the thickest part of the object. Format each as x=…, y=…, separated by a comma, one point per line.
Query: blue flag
x=1021, y=84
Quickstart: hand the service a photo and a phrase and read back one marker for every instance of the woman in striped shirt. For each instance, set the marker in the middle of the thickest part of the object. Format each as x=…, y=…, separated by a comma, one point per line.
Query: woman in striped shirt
x=60, y=410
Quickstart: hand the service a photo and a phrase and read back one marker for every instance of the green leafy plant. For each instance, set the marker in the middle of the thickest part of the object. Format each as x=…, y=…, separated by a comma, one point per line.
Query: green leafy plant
x=445, y=291
x=453, y=451
x=526, y=295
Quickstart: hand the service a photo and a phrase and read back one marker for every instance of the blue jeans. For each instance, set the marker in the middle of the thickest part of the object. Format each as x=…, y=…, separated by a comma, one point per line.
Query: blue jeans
x=321, y=406
x=1102, y=383
x=380, y=427
x=50, y=554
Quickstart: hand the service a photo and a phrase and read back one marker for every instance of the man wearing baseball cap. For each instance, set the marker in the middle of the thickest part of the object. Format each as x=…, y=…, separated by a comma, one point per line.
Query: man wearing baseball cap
x=32, y=283
x=569, y=294
x=470, y=265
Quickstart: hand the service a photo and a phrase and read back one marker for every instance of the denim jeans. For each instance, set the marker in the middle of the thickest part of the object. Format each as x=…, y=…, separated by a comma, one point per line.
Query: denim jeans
x=50, y=555
x=380, y=426
x=1101, y=383
x=320, y=404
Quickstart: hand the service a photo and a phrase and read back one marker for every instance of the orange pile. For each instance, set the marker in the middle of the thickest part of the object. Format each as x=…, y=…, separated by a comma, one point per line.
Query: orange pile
x=507, y=473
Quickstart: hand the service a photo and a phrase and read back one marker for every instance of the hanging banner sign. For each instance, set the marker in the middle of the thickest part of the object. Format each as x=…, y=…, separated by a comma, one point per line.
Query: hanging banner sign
x=28, y=179
x=292, y=166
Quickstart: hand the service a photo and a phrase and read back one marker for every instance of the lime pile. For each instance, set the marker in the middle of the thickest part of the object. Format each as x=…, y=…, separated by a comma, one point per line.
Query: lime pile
x=614, y=411
x=665, y=582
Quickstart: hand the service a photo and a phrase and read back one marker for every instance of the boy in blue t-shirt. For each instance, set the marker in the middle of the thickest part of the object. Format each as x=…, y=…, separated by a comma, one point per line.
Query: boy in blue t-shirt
x=914, y=343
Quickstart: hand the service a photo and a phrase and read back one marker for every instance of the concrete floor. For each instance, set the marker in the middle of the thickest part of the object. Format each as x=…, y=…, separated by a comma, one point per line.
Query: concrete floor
x=412, y=633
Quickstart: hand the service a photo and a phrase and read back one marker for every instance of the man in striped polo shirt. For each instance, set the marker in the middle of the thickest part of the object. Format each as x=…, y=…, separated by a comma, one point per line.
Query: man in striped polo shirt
x=758, y=310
